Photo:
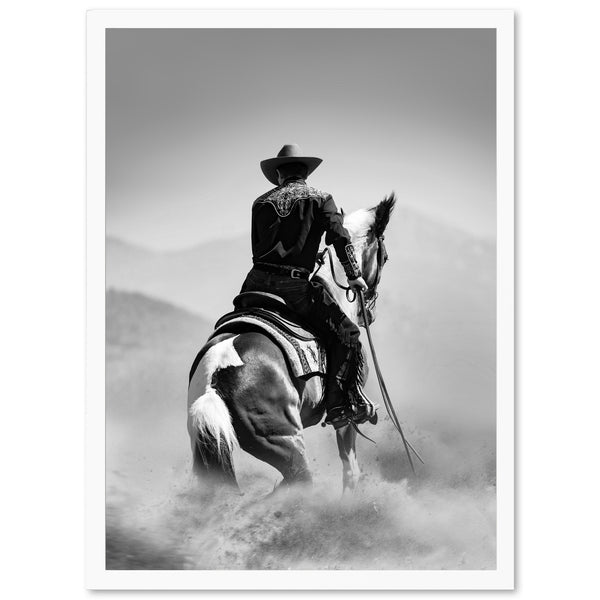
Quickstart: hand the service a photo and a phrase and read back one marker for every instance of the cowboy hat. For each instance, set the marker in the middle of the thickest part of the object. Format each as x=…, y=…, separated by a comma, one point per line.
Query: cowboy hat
x=290, y=153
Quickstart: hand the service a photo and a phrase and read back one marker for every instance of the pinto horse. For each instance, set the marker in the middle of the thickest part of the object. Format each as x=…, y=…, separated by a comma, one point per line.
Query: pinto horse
x=242, y=391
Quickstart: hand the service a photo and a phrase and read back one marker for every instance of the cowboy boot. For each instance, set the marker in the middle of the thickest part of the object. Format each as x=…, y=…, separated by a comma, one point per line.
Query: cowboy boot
x=345, y=399
x=362, y=408
x=353, y=373
x=336, y=404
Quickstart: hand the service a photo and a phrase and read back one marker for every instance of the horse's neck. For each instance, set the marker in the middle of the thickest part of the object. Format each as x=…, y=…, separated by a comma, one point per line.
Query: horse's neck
x=358, y=224
x=339, y=294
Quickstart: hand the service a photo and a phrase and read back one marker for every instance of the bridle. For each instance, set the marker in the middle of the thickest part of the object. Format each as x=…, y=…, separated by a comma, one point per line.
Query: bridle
x=371, y=295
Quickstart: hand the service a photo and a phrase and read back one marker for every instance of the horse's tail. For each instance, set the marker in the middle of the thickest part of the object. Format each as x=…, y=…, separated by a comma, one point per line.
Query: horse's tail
x=209, y=420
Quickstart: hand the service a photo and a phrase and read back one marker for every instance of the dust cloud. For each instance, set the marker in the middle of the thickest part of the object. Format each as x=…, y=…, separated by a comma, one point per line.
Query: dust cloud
x=444, y=518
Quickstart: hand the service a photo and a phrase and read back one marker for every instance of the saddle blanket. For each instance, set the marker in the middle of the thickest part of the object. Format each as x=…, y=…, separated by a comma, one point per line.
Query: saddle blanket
x=305, y=354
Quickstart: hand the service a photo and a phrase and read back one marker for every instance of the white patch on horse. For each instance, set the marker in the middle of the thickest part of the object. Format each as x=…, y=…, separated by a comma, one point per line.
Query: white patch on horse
x=359, y=224
x=208, y=412
x=221, y=356
x=351, y=470
x=314, y=389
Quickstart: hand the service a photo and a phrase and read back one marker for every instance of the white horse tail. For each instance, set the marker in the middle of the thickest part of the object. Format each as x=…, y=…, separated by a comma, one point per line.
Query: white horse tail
x=209, y=420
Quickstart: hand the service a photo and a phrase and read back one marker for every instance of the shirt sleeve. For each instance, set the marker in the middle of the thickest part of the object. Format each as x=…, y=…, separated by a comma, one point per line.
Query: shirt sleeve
x=337, y=234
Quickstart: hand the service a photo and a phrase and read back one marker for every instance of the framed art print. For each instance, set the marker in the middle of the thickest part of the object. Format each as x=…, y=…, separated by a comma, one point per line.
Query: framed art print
x=300, y=300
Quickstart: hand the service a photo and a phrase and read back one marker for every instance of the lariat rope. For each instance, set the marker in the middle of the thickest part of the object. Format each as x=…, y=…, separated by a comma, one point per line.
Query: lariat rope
x=386, y=397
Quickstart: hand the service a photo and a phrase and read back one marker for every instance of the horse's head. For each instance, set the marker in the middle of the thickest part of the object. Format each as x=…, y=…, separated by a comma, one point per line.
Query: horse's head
x=367, y=227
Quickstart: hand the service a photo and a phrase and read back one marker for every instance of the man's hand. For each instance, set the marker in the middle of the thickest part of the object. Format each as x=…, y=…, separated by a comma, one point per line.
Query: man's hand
x=358, y=284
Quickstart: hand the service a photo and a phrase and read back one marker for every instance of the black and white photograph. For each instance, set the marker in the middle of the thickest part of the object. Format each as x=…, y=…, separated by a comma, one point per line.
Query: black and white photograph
x=302, y=332
x=300, y=298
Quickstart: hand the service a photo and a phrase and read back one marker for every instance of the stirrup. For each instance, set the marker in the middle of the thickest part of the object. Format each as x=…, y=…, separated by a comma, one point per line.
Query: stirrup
x=338, y=416
x=364, y=409
x=356, y=413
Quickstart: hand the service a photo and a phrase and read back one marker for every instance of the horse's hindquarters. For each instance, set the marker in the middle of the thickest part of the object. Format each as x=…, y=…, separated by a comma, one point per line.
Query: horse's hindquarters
x=262, y=400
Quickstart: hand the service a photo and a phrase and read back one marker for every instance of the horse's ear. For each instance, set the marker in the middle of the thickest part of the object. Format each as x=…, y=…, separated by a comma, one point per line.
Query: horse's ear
x=382, y=214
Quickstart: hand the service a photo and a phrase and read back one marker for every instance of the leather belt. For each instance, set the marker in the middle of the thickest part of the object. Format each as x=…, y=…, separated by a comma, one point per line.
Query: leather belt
x=289, y=270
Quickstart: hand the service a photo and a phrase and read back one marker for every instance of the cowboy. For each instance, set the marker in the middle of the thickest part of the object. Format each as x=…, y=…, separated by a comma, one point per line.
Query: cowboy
x=288, y=223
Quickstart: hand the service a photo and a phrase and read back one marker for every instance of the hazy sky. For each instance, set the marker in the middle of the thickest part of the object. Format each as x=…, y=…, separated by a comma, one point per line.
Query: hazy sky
x=190, y=114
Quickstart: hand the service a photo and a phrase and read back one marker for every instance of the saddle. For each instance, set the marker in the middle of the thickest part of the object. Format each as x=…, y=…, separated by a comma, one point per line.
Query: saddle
x=270, y=315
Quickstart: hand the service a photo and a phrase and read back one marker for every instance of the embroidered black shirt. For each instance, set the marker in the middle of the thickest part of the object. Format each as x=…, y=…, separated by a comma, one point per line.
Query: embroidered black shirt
x=288, y=223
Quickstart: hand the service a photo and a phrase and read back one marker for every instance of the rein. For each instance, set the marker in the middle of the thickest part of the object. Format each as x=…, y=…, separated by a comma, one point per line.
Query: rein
x=384, y=393
x=350, y=293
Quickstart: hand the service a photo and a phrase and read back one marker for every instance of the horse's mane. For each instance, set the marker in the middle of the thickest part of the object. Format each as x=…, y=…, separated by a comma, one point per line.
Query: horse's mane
x=370, y=221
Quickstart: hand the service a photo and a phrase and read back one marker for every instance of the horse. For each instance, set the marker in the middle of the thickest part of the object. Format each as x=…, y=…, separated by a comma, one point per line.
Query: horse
x=242, y=393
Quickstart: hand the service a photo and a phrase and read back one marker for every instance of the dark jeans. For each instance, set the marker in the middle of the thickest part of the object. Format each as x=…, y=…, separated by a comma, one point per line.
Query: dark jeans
x=312, y=302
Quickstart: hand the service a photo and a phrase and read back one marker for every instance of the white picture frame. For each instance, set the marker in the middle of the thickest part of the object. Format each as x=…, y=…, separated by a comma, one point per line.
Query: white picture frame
x=97, y=576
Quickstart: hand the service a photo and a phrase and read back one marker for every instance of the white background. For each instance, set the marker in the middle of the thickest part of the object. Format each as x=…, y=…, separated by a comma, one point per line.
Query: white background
x=43, y=269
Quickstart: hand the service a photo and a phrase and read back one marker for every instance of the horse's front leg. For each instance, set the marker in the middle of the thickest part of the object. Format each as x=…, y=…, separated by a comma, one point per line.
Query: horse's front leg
x=346, y=441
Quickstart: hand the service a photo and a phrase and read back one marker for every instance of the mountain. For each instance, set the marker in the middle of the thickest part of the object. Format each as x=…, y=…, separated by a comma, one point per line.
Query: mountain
x=136, y=321
x=150, y=346
x=203, y=279
x=206, y=277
